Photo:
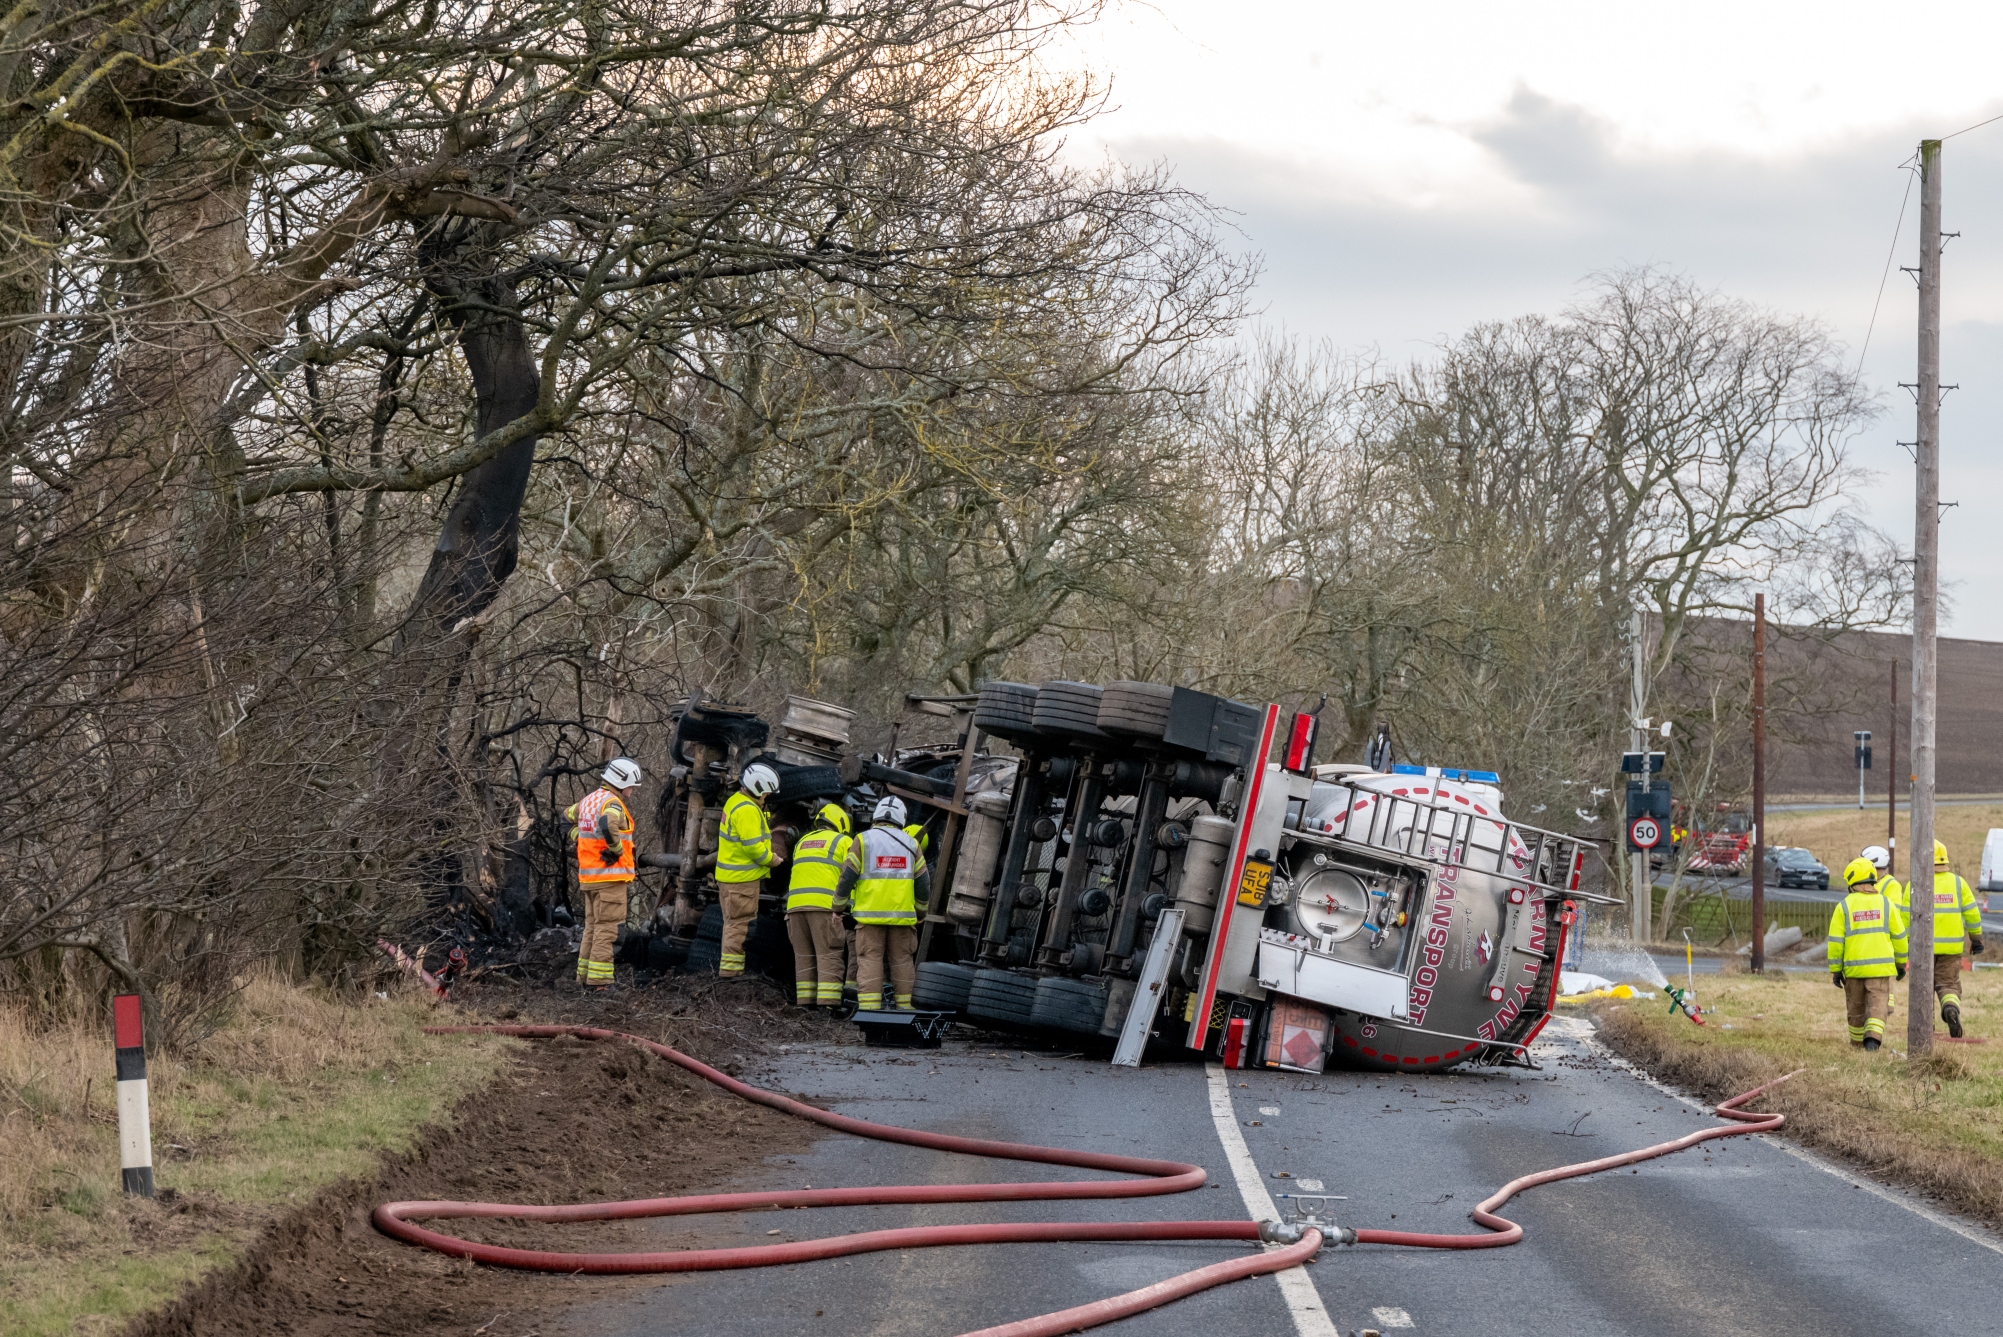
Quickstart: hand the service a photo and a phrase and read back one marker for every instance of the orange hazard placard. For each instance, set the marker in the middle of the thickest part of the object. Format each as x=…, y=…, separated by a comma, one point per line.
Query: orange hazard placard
x=1296, y=1037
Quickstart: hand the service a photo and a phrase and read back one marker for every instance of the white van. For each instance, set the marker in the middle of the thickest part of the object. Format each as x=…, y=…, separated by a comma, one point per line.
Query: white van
x=1991, y=876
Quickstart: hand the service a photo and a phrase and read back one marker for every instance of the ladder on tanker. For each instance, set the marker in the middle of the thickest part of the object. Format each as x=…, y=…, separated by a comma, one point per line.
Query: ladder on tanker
x=1148, y=990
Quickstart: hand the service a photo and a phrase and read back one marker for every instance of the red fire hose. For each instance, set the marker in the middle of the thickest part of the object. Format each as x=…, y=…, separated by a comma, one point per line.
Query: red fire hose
x=395, y=1218
x=1506, y=1231
x=1158, y=1177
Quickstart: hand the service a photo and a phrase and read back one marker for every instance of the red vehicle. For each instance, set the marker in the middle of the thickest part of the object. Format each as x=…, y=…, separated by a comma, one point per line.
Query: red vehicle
x=1724, y=848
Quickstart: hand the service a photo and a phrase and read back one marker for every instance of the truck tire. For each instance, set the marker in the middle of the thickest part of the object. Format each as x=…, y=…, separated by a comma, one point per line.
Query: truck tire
x=1135, y=709
x=1067, y=709
x=706, y=951
x=797, y=784
x=1001, y=995
x=942, y=986
x=1006, y=710
x=1069, y=1005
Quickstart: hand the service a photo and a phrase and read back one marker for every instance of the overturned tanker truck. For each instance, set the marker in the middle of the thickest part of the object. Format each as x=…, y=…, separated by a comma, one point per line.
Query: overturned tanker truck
x=1154, y=871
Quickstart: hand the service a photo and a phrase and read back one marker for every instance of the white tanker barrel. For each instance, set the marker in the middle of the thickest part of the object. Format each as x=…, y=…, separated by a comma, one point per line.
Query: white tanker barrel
x=979, y=853
x=1203, y=871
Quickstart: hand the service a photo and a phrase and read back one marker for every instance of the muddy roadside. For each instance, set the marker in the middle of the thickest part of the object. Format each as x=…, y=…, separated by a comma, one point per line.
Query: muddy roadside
x=567, y=1120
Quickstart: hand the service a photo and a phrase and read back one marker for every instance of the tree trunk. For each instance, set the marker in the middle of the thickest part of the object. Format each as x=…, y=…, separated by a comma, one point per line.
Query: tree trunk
x=480, y=541
x=477, y=550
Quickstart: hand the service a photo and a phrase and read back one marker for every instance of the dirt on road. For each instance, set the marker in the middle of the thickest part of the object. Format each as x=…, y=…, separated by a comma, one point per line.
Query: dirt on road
x=570, y=1120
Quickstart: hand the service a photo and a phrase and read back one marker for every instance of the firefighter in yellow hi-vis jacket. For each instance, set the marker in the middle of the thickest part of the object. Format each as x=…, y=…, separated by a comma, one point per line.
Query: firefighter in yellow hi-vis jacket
x=1957, y=928
x=744, y=855
x=1867, y=951
x=605, y=868
x=880, y=890
x=819, y=945
x=1881, y=859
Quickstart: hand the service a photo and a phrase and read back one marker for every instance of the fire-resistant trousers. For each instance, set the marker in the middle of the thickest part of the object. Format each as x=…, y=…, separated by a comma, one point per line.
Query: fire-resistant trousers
x=1947, y=979
x=880, y=948
x=740, y=907
x=819, y=952
x=604, y=912
x=1865, y=1001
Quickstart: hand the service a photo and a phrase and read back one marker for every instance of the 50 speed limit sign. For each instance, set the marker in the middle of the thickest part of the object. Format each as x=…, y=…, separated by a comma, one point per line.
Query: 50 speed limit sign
x=1644, y=833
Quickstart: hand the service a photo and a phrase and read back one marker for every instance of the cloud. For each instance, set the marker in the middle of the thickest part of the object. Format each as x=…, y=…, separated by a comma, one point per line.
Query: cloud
x=1562, y=195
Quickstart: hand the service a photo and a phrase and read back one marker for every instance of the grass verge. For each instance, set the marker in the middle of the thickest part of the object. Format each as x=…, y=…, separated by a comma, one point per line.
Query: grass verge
x=1836, y=835
x=298, y=1090
x=1935, y=1125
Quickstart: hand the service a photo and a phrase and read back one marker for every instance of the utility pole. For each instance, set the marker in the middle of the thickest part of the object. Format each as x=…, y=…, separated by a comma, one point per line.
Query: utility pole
x=1759, y=783
x=1644, y=893
x=1926, y=611
x=1892, y=772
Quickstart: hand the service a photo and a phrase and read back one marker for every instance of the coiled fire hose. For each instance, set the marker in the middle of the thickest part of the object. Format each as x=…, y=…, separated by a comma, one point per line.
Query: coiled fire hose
x=1158, y=1177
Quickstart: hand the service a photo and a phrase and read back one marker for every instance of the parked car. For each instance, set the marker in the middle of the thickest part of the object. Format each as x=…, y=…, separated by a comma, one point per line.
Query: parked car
x=1792, y=866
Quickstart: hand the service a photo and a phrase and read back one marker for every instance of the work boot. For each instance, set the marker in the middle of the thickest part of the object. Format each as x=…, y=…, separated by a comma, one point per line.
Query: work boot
x=1872, y=1044
x=1952, y=1016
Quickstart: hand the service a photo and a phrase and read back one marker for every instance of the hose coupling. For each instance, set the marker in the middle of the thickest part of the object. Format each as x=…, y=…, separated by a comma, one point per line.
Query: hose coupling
x=1281, y=1232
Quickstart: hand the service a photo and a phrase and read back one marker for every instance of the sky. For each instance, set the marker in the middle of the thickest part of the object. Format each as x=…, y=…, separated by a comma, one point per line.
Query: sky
x=1406, y=171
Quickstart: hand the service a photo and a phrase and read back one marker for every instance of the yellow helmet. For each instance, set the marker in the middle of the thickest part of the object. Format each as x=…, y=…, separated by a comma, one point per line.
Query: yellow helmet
x=1859, y=871
x=834, y=815
x=1939, y=855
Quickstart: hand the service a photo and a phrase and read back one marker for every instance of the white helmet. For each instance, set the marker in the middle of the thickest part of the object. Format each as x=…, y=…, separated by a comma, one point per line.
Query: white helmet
x=758, y=779
x=621, y=773
x=889, y=811
x=1880, y=857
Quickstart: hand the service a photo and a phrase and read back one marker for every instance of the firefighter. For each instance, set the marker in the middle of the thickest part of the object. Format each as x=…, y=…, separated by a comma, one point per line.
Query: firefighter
x=605, y=867
x=819, y=944
x=1867, y=950
x=1881, y=860
x=743, y=856
x=880, y=889
x=1957, y=927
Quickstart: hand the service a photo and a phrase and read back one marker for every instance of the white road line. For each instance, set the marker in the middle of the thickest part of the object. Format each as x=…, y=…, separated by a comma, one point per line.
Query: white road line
x=1303, y=1301
x=1974, y=1234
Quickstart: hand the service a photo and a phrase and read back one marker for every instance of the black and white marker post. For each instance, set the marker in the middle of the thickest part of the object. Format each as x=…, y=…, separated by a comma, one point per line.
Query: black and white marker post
x=135, y=1119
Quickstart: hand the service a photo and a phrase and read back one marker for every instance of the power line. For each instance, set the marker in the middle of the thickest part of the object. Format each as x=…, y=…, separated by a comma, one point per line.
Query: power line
x=1890, y=255
x=1977, y=126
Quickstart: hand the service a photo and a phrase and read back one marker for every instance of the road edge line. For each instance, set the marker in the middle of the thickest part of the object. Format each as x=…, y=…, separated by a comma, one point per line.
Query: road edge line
x=1296, y=1287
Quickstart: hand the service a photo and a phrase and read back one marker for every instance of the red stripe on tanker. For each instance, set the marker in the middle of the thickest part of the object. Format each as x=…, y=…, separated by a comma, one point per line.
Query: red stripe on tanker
x=1227, y=896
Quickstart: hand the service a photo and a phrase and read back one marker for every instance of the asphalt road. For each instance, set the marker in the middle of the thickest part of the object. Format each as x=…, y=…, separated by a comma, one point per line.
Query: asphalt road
x=1740, y=1236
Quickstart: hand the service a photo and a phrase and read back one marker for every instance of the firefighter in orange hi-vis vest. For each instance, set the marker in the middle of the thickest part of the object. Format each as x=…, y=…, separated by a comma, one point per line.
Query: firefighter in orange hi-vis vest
x=606, y=865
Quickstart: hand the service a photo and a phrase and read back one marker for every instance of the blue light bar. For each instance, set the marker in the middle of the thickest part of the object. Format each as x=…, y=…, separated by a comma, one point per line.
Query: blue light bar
x=1449, y=773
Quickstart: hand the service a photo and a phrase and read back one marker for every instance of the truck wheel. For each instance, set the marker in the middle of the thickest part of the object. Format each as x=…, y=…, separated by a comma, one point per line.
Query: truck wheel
x=942, y=986
x=1135, y=709
x=706, y=951
x=1005, y=709
x=1067, y=709
x=1069, y=1005
x=1001, y=995
x=797, y=784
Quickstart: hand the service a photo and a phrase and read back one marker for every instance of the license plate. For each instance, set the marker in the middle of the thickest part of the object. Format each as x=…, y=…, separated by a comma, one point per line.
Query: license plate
x=1255, y=882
